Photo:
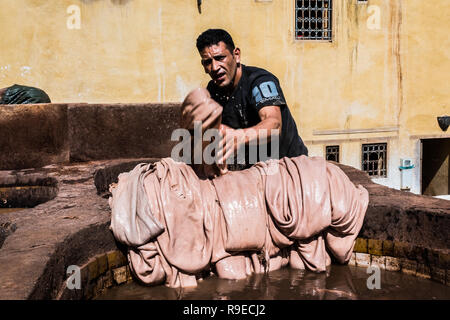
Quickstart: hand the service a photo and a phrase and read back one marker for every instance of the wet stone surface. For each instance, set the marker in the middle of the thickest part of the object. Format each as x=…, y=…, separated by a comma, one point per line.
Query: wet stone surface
x=38, y=244
x=340, y=282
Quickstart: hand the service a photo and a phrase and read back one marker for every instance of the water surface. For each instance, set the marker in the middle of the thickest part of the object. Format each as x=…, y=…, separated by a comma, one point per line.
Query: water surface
x=7, y=210
x=340, y=282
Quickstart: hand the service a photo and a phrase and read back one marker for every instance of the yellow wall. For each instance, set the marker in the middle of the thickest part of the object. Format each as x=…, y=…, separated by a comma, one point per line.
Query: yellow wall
x=392, y=82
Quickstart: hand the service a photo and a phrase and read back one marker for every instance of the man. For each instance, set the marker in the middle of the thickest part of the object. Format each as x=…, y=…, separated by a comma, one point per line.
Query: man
x=251, y=98
x=18, y=94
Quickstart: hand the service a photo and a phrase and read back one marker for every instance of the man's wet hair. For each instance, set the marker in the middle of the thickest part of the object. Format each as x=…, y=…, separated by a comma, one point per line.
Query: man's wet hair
x=213, y=37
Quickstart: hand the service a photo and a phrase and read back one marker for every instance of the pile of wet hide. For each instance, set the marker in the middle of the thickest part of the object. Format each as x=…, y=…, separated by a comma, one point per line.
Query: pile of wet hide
x=294, y=212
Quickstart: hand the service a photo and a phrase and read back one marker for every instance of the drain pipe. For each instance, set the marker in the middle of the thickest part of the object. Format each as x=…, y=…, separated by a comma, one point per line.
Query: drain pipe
x=406, y=174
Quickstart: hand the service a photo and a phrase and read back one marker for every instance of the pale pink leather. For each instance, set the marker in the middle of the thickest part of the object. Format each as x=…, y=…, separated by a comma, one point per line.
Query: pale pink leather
x=198, y=106
x=254, y=220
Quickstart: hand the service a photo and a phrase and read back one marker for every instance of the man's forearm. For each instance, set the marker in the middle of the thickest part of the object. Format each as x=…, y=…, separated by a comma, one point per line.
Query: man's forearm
x=262, y=131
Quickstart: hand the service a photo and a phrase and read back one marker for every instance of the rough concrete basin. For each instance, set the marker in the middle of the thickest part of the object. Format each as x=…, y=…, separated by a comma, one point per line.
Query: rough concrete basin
x=26, y=190
x=401, y=232
x=19, y=190
x=73, y=229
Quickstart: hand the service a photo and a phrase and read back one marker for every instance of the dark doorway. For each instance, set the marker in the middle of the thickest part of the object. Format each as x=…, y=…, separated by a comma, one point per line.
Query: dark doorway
x=435, y=166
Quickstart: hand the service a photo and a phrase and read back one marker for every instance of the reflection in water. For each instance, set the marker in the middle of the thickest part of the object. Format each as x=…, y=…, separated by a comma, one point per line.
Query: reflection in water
x=339, y=282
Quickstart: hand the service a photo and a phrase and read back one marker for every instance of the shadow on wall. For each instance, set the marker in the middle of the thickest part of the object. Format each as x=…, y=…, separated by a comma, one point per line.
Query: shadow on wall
x=116, y=2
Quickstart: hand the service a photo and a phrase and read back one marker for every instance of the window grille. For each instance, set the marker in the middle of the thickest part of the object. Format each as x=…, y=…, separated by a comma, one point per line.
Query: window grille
x=374, y=159
x=313, y=19
x=332, y=153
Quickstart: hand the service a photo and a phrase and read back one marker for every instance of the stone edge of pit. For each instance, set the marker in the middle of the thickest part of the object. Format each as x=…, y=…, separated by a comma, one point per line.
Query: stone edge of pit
x=37, y=266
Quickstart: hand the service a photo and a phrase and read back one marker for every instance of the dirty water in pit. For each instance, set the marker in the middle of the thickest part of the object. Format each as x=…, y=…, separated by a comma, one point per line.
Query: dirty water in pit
x=340, y=282
x=8, y=210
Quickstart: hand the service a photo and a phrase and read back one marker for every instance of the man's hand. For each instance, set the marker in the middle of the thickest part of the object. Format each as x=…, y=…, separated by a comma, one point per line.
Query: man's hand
x=198, y=106
x=233, y=139
x=230, y=142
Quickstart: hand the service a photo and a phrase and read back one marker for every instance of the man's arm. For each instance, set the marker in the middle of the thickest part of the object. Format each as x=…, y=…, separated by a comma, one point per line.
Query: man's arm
x=261, y=133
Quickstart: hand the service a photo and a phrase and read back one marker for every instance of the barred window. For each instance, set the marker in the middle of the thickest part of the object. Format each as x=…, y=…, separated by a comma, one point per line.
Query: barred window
x=313, y=19
x=374, y=159
x=332, y=153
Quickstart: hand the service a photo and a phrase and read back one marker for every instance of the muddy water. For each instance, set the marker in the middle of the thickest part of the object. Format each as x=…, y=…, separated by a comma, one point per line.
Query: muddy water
x=7, y=210
x=340, y=282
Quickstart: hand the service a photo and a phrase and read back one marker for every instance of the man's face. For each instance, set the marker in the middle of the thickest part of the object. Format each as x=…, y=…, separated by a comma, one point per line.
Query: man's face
x=220, y=63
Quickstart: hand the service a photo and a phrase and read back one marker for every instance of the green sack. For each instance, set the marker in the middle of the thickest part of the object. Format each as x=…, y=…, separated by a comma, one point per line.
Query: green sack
x=18, y=94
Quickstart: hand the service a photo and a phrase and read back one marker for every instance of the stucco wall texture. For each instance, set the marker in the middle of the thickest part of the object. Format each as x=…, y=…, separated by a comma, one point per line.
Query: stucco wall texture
x=383, y=78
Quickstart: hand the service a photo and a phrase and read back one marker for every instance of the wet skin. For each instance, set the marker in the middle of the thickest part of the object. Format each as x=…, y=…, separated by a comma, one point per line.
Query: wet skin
x=222, y=65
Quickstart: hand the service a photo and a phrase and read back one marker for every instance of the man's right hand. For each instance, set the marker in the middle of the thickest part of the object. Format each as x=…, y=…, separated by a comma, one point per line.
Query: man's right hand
x=198, y=106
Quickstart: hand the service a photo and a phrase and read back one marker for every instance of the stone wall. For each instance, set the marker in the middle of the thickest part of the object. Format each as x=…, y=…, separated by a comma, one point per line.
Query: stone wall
x=401, y=216
x=33, y=136
x=420, y=261
x=121, y=130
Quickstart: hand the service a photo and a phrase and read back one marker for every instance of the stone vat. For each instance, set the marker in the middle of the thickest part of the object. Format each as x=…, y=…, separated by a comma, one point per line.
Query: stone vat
x=401, y=232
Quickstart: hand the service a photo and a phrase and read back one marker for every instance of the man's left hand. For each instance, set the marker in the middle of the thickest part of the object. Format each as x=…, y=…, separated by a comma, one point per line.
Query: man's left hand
x=231, y=141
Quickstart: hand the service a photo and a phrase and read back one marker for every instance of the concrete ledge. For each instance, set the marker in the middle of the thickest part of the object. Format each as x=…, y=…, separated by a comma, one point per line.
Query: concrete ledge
x=98, y=274
x=33, y=135
x=68, y=230
x=104, y=177
x=99, y=132
x=24, y=191
x=399, y=216
x=404, y=265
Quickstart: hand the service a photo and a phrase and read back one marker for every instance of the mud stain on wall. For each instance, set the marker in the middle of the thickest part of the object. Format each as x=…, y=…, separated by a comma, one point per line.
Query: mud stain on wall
x=396, y=27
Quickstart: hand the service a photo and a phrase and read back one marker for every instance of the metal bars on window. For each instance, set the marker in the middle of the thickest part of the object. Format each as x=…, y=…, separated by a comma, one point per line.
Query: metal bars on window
x=332, y=153
x=313, y=19
x=374, y=159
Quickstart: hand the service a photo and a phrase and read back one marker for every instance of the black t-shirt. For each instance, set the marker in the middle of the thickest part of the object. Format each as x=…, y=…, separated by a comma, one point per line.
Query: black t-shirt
x=256, y=89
